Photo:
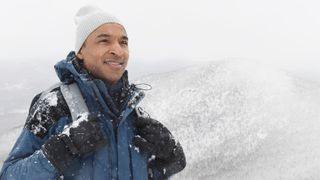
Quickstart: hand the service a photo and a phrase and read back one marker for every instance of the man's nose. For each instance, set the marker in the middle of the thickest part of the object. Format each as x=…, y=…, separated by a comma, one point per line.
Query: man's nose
x=116, y=49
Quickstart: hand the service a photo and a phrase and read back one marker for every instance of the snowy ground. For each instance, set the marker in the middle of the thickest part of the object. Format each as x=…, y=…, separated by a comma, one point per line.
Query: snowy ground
x=235, y=120
x=240, y=120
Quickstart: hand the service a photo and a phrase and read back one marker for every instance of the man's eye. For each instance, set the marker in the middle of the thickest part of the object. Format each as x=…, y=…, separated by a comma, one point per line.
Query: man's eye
x=104, y=41
x=124, y=42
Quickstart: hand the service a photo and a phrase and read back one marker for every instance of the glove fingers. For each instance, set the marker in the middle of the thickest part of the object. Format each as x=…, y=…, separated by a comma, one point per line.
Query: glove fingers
x=143, y=121
x=93, y=144
x=87, y=135
x=148, y=129
x=151, y=138
x=174, y=164
x=143, y=144
x=177, y=162
x=80, y=134
x=156, y=139
x=163, y=133
x=56, y=152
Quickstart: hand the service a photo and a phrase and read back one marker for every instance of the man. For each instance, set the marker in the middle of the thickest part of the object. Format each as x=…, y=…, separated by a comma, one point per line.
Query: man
x=88, y=127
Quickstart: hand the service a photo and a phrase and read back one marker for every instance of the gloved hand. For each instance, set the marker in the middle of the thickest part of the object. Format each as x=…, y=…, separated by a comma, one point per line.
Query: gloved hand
x=80, y=137
x=166, y=155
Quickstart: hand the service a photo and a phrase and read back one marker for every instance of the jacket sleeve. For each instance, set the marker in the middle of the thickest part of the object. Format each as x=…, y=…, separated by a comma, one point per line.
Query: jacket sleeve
x=26, y=160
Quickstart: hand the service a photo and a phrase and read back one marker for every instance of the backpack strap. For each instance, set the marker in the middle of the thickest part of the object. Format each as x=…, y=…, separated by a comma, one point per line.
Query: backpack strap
x=74, y=99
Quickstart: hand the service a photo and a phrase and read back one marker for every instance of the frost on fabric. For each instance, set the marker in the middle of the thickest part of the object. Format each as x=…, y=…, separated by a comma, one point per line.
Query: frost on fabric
x=46, y=102
x=153, y=157
x=164, y=170
x=81, y=118
x=134, y=147
x=45, y=112
x=137, y=149
x=52, y=99
x=49, y=99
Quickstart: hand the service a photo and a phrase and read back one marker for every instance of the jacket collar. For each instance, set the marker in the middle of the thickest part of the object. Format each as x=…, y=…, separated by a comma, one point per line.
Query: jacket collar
x=114, y=98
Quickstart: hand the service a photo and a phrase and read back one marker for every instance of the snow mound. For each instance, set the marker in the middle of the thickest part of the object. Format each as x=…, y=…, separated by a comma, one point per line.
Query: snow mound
x=228, y=114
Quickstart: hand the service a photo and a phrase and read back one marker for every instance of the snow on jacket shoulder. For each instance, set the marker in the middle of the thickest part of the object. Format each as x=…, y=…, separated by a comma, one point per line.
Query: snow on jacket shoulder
x=26, y=161
x=46, y=109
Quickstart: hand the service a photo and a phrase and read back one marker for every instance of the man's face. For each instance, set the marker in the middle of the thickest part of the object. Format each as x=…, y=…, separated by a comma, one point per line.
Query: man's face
x=105, y=52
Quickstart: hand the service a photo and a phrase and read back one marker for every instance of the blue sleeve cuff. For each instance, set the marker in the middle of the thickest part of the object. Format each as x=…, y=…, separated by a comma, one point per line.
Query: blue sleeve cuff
x=45, y=162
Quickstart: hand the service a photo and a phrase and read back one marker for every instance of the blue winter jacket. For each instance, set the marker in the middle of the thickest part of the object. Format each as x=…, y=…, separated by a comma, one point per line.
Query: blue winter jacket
x=119, y=159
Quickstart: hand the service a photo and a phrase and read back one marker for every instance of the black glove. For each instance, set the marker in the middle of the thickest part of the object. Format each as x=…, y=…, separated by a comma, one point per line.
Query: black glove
x=155, y=139
x=80, y=137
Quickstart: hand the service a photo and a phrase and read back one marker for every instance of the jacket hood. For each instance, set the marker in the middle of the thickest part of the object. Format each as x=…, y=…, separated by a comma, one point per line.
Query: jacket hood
x=67, y=72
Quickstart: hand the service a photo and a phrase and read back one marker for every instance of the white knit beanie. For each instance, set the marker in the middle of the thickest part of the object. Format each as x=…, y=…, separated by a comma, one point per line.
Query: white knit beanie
x=87, y=19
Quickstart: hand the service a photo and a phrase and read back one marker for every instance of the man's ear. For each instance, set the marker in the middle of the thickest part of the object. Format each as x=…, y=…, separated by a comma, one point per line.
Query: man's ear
x=79, y=54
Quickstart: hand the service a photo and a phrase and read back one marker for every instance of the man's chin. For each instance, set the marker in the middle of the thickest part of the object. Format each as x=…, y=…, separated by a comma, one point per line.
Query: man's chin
x=112, y=80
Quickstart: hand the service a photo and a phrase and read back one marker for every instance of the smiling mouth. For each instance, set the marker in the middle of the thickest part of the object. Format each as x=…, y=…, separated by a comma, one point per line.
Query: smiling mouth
x=114, y=64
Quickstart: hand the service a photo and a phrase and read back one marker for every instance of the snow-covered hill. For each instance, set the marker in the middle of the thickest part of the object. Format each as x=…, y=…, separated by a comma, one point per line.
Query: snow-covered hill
x=240, y=120
x=235, y=120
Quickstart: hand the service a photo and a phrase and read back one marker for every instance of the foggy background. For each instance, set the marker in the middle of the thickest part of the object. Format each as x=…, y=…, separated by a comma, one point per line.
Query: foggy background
x=163, y=36
x=174, y=41
x=284, y=32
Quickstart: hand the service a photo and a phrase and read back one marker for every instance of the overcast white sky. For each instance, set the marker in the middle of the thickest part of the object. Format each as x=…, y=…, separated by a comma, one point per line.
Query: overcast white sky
x=281, y=31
